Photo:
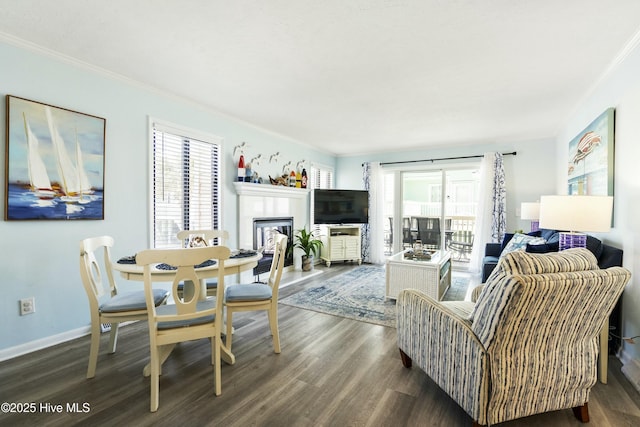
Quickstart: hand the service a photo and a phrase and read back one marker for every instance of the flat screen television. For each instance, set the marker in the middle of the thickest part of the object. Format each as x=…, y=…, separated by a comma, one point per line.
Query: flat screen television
x=340, y=206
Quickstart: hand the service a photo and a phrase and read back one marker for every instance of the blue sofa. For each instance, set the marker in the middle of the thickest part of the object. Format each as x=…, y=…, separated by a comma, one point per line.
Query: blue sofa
x=607, y=256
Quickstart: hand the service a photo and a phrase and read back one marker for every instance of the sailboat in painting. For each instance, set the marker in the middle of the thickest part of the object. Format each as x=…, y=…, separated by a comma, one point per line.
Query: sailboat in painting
x=38, y=176
x=73, y=178
x=85, y=186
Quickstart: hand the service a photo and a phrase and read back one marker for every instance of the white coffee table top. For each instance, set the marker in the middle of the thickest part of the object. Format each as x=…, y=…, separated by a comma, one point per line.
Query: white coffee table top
x=437, y=257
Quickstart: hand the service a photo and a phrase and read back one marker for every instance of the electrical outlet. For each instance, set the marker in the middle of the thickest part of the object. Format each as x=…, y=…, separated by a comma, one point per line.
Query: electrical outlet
x=27, y=306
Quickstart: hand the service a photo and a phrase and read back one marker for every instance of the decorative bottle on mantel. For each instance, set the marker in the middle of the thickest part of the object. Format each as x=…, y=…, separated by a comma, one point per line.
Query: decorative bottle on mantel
x=298, y=179
x=303, y=182
x=241, y=169
x=248, y=173
x=292, y=179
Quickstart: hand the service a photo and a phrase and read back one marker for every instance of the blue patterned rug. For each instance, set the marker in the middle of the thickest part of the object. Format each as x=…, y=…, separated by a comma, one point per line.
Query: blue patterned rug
x=359, y=294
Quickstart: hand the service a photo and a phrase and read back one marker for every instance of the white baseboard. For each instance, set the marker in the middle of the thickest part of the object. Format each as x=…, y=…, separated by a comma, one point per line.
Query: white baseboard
x=19, y=350
x=298, y=276
x=631, y=369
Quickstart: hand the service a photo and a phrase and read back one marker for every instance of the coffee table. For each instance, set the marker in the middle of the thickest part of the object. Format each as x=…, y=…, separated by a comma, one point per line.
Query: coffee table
x=433, y=277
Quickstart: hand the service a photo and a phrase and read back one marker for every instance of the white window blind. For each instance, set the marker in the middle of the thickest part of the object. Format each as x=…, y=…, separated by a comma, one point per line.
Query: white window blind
x=321, y=177
x=186, y=187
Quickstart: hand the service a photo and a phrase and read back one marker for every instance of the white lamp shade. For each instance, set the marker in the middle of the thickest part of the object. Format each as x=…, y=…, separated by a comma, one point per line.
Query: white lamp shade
x=576, y=213
x=530, y=210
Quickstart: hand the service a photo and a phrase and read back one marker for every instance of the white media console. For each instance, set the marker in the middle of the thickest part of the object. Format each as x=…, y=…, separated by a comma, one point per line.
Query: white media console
x=342, y=243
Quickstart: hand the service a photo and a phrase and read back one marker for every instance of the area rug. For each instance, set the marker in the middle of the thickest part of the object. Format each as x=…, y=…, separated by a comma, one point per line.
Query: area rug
x=359, y=294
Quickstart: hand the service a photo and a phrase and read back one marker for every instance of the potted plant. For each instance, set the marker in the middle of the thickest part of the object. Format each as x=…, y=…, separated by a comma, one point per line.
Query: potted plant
x=306, y=241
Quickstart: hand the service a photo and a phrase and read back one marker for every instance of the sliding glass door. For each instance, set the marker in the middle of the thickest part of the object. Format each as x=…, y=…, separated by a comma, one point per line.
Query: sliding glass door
x=422, y=209
x=435, y=209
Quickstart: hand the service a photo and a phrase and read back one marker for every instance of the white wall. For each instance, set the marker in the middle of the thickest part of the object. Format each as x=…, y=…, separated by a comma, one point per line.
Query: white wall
x=40, y=258
x=621, y=90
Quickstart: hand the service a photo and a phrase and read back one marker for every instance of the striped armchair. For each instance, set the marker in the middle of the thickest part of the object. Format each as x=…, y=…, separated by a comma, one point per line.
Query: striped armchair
x=528, y=345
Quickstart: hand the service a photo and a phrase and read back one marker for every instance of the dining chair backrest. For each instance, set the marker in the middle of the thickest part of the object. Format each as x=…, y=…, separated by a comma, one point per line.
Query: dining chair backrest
x=192, y=238
x=429, y=231
x=407, y=234
x=91, y=270
x=185, y=262
x=277, y=264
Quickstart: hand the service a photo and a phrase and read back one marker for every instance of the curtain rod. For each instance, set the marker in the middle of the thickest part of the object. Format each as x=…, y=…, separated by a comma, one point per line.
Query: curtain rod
x=513, y=153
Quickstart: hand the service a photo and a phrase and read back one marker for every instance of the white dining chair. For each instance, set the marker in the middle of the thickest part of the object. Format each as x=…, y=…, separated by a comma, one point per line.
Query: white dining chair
x=196, y=238
x=189, y=319
x=106, y=304
x=259, y=296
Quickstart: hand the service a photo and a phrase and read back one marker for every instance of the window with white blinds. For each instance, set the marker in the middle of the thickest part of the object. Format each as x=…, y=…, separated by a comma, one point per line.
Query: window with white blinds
x=321, y=177
x=186, y=185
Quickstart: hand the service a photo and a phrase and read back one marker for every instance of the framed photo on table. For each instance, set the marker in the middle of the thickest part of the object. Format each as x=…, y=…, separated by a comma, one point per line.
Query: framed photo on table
x=54, y=167
x=591, y=158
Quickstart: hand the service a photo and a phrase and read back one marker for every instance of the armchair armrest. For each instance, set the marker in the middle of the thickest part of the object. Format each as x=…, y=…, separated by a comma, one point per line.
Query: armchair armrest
x=442, y=343
x=475, y=292
x=493, y=249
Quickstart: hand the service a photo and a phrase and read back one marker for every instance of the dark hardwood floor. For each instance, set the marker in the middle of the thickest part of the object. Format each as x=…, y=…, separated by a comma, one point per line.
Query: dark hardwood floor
x=331, y=372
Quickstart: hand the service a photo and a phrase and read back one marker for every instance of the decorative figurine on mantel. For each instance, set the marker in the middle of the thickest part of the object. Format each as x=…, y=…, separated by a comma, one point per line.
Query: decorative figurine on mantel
x=281, y=180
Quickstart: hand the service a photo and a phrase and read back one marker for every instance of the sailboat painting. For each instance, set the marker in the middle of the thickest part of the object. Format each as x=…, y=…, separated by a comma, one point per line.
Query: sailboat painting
x=55, y=162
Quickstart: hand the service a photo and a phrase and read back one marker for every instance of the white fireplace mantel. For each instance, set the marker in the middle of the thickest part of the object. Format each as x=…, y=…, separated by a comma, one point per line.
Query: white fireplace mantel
x=262, y=190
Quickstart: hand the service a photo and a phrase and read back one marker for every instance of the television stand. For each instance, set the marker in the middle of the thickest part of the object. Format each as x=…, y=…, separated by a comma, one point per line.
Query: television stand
x=342, y=243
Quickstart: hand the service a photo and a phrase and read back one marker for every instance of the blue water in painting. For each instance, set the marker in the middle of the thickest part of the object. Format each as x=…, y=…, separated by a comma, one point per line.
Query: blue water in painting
x=24, y=204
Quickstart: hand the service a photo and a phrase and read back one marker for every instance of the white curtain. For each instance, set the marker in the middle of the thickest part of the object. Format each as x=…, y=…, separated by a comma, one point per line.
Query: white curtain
x=373, y=233
x=490, y=223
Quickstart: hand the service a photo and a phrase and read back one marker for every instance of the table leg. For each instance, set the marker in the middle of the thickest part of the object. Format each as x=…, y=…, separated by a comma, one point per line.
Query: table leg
x=188, y=290
x=166, y=350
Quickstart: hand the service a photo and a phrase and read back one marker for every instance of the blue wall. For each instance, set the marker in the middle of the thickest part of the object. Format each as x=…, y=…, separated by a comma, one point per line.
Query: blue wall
x=40, y=258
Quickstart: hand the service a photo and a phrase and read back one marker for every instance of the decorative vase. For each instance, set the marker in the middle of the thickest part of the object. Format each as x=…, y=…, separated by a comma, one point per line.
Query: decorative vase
x=307, y=263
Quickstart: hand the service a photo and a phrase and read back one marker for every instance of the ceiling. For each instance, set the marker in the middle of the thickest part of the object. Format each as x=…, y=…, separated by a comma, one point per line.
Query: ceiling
x=351, y=76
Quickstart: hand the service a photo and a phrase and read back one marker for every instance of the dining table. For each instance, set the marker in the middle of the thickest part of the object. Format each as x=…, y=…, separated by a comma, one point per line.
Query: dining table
x=240, y=260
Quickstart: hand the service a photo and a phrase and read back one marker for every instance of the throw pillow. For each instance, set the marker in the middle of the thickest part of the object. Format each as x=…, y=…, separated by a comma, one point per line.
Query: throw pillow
x=519, y=243
x=543, y=249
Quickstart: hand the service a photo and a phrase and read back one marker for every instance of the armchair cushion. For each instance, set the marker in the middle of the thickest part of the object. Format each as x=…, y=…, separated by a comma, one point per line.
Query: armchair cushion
x=493, y=295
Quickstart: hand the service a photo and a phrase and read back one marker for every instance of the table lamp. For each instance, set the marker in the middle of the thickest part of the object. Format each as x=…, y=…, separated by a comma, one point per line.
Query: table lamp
x=531, y=211
x=578, y=214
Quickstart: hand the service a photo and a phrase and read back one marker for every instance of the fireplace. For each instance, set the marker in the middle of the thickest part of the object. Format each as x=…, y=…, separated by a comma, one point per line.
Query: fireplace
x=264, y=231
x=269, y=202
